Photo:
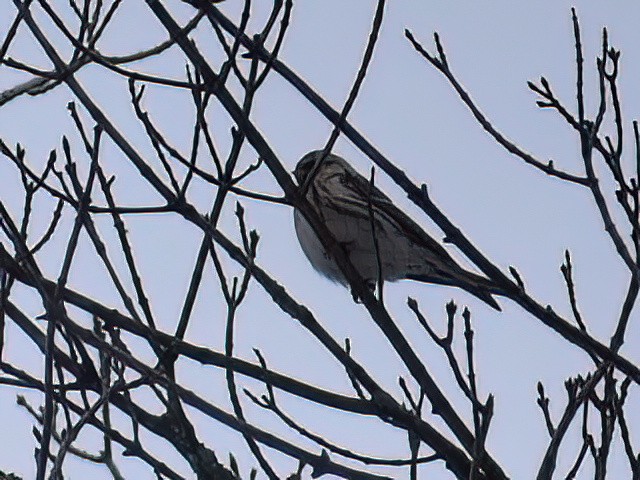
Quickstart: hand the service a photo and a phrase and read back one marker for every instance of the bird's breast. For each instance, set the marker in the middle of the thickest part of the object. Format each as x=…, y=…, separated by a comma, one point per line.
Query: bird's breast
x=313, y=249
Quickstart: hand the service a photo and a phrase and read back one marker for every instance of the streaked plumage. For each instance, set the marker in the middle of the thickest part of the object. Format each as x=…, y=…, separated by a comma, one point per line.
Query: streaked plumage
x=340, y=196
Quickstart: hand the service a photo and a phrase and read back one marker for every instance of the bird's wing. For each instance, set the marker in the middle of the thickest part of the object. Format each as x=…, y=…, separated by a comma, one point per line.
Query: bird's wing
x=362, y=192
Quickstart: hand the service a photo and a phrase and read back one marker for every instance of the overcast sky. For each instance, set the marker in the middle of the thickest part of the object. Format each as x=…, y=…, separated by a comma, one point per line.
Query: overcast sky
x=516, y=215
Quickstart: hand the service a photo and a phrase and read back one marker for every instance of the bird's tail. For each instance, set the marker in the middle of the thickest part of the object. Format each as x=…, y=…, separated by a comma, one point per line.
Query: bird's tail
x=476, y=285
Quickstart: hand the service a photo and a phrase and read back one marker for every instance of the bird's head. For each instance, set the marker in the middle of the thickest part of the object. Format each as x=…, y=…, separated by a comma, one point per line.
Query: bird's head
x=307, y=163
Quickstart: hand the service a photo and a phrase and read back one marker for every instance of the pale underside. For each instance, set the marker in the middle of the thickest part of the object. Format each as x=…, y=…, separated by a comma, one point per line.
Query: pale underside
x=355, y=235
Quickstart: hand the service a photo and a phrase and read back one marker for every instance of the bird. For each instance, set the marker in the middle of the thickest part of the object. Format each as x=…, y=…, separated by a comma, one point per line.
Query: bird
x=346, y=203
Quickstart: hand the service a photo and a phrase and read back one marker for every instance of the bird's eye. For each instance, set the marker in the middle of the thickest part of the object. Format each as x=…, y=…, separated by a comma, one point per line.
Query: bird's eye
x=301, y=172
x=307, y=167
